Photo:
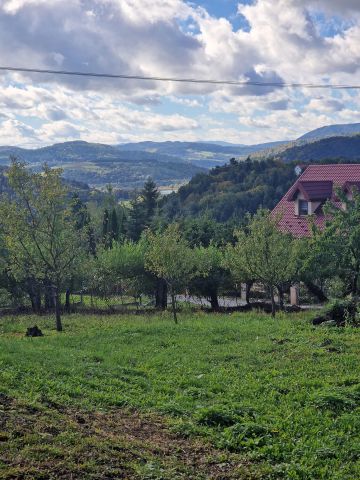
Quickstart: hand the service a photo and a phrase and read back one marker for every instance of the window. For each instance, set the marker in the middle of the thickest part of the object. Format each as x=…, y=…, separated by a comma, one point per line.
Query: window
x=303, y=207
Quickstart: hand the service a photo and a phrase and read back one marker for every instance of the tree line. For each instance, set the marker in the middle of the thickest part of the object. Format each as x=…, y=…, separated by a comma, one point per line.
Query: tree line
x=53, y=244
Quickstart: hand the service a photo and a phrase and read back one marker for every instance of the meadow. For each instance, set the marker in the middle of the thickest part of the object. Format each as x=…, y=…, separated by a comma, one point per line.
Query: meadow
x=240, y=396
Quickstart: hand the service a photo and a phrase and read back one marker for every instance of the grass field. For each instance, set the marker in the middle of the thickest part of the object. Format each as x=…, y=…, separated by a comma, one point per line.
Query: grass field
x=237, y=396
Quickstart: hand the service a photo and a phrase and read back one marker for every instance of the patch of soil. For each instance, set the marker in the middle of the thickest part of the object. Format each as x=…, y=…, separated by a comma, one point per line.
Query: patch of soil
x=63, y=443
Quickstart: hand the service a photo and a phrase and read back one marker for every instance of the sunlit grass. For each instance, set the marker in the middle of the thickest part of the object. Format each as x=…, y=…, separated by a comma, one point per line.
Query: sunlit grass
x=281, y=393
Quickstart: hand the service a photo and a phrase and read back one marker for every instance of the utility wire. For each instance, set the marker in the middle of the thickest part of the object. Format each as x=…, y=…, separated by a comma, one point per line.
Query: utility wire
x=182, y=80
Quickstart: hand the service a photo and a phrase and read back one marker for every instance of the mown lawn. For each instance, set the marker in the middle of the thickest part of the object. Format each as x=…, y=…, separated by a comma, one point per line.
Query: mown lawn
x=268, y=399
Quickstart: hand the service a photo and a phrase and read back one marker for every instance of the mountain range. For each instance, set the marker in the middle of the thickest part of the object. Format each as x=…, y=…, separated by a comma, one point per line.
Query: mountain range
x=338, y=130
x=126, y=166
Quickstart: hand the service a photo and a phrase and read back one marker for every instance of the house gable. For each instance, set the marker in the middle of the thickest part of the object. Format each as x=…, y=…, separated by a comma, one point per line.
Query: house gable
x=305, y=199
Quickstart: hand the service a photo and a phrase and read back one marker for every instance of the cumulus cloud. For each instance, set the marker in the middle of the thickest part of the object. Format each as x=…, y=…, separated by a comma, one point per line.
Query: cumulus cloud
x=173, y=38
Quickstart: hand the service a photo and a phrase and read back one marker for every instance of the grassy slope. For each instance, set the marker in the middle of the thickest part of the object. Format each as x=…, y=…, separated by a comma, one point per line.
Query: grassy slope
x=280, y=393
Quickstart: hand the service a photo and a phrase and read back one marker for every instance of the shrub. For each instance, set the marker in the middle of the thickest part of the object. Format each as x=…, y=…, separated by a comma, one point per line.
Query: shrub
x=341, y=311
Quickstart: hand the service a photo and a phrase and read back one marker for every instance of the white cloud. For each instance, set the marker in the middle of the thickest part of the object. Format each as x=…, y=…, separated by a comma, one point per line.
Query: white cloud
x=172, y=38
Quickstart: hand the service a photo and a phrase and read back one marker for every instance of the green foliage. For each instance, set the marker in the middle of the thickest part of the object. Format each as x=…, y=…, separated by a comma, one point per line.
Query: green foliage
x=334, y=252
x=150, y=195
x=120, y=269
x=212, y=276
x=142, y=210
x=263, y=253
x=344, y=149
x=41, y=233
x=170, y=257
x=344, y=311
x=229, y=192
x=204, y=231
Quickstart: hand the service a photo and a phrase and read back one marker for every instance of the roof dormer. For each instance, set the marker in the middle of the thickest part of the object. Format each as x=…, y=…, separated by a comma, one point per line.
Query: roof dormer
x=309, y=196
x=350, y=188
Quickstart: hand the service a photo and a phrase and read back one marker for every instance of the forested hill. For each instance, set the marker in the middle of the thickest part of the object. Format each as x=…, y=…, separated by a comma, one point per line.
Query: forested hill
x=341, y=148
x=81, y=189
x=227, y=193
x=99, y=165
x=345, y=129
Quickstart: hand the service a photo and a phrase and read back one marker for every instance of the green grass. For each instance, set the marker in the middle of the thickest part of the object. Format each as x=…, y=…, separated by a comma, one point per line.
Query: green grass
x=280, y=394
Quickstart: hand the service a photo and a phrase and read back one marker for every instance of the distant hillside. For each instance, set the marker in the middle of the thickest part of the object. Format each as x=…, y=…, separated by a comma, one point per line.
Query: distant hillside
x=345, y=129
x=204, y=154
x=98, y=164
x=85, y=193
x=342, y=148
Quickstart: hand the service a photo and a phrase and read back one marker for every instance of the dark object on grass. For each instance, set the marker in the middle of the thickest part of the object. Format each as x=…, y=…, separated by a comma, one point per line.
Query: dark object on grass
x=338, y=313
x=34, y=332
x=262, y=306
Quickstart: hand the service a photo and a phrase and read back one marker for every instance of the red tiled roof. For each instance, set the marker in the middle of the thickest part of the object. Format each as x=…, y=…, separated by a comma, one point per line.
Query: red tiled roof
x=318, y=190
x=338, y=175
x=348, y=186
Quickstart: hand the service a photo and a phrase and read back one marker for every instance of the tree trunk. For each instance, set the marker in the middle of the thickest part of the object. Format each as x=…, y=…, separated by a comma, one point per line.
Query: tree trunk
x=34, y=295
x=67, y=300
x=57, y=303
x=214, y=301
x=315, y=290
x=273, y=306
x=49, y=297
x=281, y=298
x=173, y=303
x=355, y=284
x=32, y=300
x=38, y=299
x=248, y=290
x=161, y=293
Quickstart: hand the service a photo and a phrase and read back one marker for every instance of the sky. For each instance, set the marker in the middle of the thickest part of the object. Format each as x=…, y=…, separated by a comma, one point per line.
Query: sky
x=302, y=41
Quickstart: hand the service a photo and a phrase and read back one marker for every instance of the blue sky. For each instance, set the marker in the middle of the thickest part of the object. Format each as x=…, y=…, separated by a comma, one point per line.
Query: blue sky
x=307, y=41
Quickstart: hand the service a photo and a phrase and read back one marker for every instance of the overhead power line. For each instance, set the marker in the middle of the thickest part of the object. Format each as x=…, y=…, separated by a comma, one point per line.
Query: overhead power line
x=237, y=83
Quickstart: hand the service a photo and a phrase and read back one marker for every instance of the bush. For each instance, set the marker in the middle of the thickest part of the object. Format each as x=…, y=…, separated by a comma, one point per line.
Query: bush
x=341, y=311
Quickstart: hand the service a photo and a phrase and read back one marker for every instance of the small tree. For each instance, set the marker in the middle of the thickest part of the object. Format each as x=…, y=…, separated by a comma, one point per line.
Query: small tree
x=264, y=253
x=122, y=266
x=40, y=231
x=114, y=226
x=212, y=275
x=169, y=256
x=150, y=195
x=233, y=261
x=136, y=219
x=334, y=252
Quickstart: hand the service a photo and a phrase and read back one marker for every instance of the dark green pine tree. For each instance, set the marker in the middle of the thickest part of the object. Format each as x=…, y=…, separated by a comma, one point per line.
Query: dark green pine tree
x=105, y=228
x=122, y=221
x=83, y=221
x=150, y=195
x=80, y=212
x=114, y=226
x=137, y=219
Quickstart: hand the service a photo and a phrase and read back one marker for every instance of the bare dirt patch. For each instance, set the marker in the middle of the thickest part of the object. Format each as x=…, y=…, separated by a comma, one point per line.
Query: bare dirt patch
x=53, y=442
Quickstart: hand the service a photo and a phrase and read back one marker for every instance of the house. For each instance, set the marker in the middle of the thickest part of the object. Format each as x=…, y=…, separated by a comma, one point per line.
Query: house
x=315, y=186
